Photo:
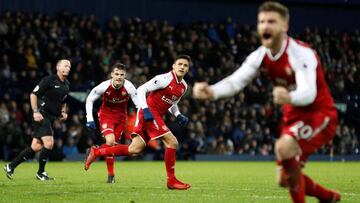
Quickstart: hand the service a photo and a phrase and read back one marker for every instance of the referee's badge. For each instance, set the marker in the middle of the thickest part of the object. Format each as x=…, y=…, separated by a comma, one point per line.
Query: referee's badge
x=36, y=88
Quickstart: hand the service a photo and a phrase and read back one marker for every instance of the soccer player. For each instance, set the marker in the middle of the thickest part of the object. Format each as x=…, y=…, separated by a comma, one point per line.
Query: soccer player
x=309, y=116
x=47, y=103
x=115, y=94
x=156, y=97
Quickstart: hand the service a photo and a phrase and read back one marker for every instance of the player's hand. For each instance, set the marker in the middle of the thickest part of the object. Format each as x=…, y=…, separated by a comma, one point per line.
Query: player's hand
x=38, y=116
x=91, y=125
x=202, y=90
x=63, y=116
x=182, y=120
x=148, y=116
x=281, y=95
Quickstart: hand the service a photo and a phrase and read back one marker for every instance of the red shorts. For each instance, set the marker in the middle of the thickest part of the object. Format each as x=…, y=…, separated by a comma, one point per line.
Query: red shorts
x=149, y=130
x=111, y=126
x=312, y=131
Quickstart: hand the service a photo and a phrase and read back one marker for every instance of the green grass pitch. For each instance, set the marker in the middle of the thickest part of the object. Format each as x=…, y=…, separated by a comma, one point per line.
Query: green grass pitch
x=145, y=182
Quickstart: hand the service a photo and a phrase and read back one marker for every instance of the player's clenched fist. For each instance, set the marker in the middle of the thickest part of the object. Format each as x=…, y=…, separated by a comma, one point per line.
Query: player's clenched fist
x=38, y=116
x=202, y=90
x=281, y=95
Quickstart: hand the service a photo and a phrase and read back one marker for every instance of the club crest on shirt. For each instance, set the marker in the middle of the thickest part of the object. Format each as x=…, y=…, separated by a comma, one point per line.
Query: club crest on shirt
x=174, y=98
x=123, y=93
x=104, y=125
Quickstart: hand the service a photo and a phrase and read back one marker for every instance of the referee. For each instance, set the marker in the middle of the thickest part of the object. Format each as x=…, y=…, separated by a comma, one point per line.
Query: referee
x=47, y=103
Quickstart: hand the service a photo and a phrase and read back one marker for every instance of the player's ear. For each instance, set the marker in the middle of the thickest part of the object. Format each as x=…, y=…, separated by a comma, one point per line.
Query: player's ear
x=286, y=26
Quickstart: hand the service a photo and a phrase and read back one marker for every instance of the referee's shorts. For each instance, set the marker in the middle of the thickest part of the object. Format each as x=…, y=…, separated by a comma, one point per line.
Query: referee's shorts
x=44, y=127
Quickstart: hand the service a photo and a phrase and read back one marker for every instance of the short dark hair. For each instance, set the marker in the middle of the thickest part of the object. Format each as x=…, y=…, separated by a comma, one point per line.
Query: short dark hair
x=119, y=66
x=183, y=56
x=276, y=7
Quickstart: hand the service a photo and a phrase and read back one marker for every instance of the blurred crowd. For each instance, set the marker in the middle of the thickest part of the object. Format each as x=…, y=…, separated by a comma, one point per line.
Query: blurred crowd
x=31, y=43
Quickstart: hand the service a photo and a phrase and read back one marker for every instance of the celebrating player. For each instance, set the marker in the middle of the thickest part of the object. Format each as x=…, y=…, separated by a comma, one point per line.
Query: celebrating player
x=309, y=115
x=47, y=103
x=156, y=97
x=113, y=111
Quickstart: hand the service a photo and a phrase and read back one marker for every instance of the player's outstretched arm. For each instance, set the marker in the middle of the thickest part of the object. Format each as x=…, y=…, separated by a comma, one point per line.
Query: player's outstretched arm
x=202, y=90
x=233, y=83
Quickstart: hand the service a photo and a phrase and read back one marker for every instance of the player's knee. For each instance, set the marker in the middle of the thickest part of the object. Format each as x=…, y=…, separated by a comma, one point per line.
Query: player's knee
x=49, y=145
x=36, y=147
x=175, y=144
x=111, y=143
x=134, y=150
x=284, y=149
x=110, y=140
x=172, y=143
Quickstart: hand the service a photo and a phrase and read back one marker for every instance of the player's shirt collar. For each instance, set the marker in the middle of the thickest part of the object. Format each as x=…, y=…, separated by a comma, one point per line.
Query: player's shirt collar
x=174, y=75
x=111, y=82
x=284, y=45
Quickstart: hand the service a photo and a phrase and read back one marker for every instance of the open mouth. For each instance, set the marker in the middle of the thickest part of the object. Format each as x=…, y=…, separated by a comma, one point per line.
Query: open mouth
x=267, y=35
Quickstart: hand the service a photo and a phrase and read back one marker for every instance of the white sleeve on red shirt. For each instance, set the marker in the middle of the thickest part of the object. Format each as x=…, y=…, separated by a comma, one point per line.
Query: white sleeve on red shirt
x=304, y=63
x=130, y=88
x=241, y=77
x=95, y=94
x=174, y=109
x=158, y=82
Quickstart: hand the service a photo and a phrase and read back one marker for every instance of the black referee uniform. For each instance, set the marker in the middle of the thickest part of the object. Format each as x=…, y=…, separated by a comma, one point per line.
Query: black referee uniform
x=51, y=93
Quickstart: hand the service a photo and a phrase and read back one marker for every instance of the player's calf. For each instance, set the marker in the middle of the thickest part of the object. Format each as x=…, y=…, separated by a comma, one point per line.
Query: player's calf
x=281, y=177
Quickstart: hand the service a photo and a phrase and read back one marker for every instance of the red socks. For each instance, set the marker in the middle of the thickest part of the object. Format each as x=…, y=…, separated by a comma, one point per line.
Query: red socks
x=109, y=161
x=316, y=190
x=300, y=184
x=295, y=180
x=109, y=152
x=110, y=165
x=170, y=158
x=117, y=150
